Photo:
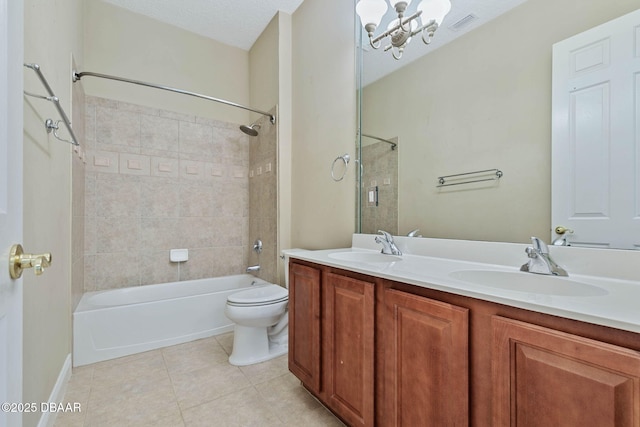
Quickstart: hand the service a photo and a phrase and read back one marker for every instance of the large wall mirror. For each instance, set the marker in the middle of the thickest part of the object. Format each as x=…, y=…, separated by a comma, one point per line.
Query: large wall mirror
x=480, y=102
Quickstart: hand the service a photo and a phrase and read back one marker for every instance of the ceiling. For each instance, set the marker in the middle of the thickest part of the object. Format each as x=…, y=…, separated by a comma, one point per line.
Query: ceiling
x=239, y=23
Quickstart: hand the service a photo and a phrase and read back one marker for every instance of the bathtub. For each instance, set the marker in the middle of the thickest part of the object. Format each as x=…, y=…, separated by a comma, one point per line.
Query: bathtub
x=120, y=322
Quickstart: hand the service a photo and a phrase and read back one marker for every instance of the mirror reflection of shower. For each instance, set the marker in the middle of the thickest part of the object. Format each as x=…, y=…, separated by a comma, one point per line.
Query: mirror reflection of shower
x=251, y=130
x=379, y=185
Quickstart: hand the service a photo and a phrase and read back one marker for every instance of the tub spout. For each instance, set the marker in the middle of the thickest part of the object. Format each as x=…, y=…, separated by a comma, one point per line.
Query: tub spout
x=253, y=268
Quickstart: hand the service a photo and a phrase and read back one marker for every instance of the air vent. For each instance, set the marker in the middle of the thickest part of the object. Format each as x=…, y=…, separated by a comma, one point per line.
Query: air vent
x=461, y=23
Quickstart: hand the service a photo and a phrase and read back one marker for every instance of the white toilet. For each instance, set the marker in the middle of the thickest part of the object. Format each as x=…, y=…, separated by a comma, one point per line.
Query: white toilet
x=261, y=323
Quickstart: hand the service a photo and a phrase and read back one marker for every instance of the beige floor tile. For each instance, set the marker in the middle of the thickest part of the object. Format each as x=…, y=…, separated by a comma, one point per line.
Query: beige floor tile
x=320, y=417
x=70, y=419
x=287, y=397
x=242, y=408
x=226, y=341
x=190, y=384
x=194, y=355
x=157, y=385
x=196, y=387
x=154, y=403
x=266, y=371
x=115, y=371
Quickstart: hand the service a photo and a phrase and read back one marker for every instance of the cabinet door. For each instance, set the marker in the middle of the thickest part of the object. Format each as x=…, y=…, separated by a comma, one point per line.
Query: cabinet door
x=348, y=330
x=543, y=377
x=426, y=362
x=304, y=325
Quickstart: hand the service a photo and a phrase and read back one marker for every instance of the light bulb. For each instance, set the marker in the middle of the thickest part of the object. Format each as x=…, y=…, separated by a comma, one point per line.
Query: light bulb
x=371, y=11
x=434, y=9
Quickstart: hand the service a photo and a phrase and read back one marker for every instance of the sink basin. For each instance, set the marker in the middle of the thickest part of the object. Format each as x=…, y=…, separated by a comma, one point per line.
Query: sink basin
x=529, y=283
x=364, y=257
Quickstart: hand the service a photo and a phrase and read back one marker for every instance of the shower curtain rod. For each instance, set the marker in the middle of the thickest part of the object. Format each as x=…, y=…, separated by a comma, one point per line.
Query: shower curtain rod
x=77, y=76
x=393, y=144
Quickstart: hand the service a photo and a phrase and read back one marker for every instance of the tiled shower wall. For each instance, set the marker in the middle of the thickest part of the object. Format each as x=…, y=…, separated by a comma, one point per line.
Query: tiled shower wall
x=380, y=168
x=158, y=180
x=263, y=200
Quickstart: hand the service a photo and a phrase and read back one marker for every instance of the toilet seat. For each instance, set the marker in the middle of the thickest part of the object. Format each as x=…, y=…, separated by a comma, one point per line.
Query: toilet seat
x=262, y=295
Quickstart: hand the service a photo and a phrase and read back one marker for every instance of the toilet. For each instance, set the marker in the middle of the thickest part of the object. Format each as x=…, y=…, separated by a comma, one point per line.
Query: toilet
x=261, y=323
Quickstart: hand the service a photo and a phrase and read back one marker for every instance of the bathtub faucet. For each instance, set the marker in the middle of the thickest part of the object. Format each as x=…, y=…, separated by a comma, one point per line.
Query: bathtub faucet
x=253, y=268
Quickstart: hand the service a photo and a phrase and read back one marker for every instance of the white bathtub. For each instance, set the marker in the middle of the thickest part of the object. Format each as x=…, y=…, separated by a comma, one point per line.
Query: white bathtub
x=120, y=322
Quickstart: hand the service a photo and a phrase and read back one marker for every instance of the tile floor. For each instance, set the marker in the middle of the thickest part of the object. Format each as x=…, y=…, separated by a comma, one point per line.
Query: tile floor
x=190, y=384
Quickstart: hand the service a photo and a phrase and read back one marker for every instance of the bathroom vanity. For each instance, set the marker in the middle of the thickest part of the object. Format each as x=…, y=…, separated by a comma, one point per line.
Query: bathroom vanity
x=406, y=341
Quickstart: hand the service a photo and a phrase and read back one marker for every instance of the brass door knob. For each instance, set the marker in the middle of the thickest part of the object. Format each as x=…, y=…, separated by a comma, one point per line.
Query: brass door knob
x=18, y=261
x=561, y=230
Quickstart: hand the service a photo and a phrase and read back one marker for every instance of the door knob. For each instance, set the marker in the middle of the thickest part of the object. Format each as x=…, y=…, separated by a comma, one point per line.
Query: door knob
x=18, y=261
x=561, y=230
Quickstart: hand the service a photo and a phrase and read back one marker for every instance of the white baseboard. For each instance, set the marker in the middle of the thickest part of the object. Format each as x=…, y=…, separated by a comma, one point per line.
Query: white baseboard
x=57, y=394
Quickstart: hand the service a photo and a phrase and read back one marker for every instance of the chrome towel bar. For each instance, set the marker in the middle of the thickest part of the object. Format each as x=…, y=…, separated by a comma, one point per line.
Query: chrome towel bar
x=49, y=123
x=470, y=177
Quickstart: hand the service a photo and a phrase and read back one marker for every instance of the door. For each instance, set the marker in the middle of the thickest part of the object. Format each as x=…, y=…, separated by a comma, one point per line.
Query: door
x=11, y=25
x=596, y=134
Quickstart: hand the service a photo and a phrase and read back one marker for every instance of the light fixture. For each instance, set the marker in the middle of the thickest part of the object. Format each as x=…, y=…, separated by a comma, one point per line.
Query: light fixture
x=425, y=21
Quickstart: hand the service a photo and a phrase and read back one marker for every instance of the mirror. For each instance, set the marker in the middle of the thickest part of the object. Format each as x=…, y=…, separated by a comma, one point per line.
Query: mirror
x=480, y=102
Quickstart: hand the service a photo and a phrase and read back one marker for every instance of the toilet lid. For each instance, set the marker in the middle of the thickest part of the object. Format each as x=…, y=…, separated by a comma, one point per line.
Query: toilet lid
x=259, y=295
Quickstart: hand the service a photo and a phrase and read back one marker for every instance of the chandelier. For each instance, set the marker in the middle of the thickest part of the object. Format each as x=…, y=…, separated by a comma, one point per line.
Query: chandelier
x=425, y=21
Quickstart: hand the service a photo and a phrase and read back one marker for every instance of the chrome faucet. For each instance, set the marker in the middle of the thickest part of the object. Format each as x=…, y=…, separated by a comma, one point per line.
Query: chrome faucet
x=414, y=233
x=539, y=260
x=388, y=245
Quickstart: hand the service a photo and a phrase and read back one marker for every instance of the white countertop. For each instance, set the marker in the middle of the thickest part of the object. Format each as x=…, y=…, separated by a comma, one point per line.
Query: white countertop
x=615, y=302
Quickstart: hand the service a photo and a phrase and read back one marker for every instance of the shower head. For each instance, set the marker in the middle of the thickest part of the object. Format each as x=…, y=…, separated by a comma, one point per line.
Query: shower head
x=250, y=130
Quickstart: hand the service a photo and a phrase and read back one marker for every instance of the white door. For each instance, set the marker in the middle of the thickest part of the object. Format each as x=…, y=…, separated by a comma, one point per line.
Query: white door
x=596, y=134
x=11, y=47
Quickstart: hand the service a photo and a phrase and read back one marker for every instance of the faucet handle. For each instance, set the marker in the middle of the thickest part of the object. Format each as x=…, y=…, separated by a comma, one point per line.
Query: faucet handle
x=540, y=246
x=531, y=253
x=386, y=235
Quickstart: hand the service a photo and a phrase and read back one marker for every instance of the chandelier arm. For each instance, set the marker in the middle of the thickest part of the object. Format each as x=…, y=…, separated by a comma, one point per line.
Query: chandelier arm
x=427, y=41
x=396, y=27
x=393, y=52
x=372, y=42
x=429, y=28
x=407, y=21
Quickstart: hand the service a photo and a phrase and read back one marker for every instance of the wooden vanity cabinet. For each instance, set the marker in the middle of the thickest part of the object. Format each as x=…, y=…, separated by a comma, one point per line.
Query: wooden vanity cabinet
x=543, y=377
x=426, y=361
x=348, y=347
x=405, y=354
x=331, y=339
x=304, y=325
x=384, y=353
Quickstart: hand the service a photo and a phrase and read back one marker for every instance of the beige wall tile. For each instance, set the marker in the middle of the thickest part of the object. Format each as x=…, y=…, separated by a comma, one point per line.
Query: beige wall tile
x=135, y=164
x=159, y=198
x=192, y=191
x=159, y=133
x=115, y=127
x=117, y=195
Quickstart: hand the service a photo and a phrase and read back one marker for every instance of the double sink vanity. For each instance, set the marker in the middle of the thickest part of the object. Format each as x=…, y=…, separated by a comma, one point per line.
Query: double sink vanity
x=452, y=333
